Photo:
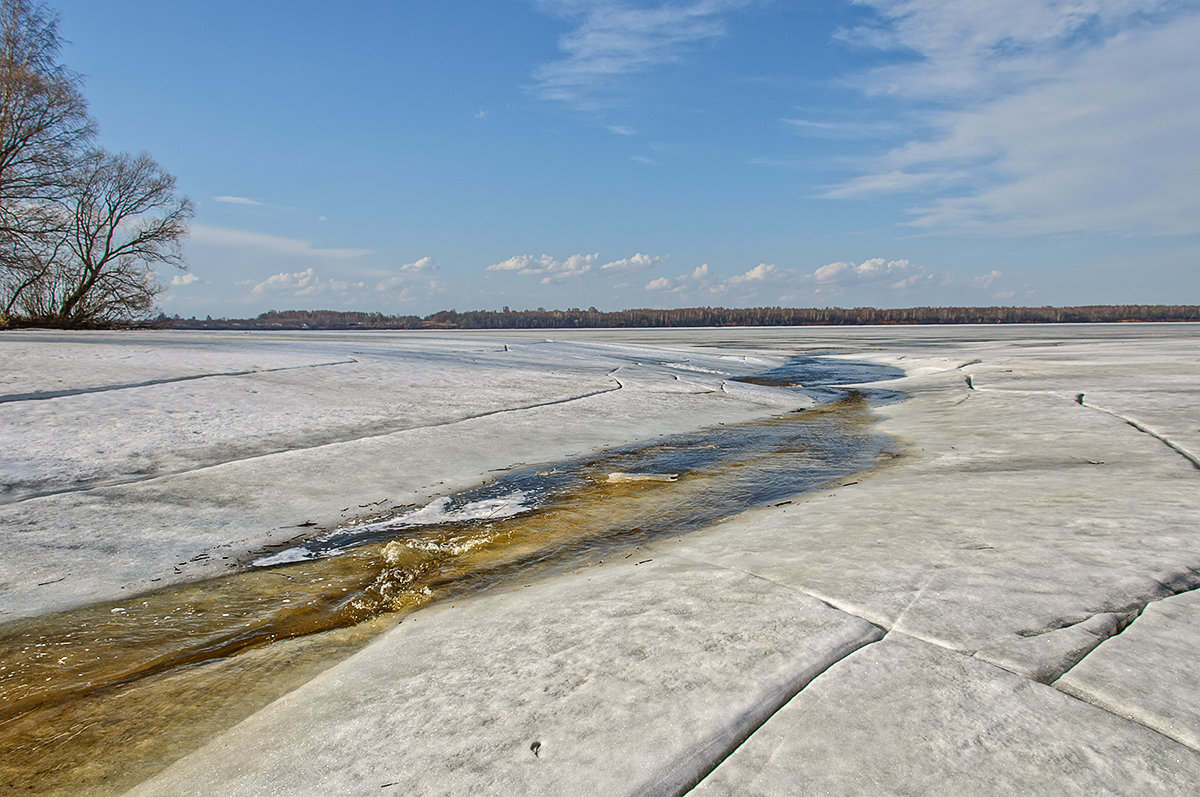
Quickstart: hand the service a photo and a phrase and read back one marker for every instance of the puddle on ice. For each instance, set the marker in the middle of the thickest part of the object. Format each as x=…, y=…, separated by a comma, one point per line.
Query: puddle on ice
x=98, y=698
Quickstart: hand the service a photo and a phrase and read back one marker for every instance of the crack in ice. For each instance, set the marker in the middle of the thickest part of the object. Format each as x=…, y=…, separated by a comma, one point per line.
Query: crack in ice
x=99, y=485
x=82, y=391
x=1141, y=427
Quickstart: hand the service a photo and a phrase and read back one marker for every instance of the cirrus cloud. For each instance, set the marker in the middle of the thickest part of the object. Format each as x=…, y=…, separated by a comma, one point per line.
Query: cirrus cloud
x=1048, y=116
x=614, y=39
x=238, y=200
x=206, y=235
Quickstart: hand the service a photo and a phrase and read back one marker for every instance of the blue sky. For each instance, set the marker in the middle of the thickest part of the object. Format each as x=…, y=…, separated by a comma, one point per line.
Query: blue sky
x=418, y=155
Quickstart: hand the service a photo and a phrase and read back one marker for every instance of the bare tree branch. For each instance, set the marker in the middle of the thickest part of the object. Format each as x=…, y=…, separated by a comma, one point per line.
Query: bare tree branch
x=43, y=127
x=127, y=217
x=81, y=230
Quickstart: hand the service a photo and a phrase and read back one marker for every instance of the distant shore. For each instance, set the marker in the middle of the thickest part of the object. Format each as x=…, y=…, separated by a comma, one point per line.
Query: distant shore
x=651, y=318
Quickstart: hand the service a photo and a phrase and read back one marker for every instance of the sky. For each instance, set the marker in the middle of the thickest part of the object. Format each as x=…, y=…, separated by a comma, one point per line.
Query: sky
x=413, y=156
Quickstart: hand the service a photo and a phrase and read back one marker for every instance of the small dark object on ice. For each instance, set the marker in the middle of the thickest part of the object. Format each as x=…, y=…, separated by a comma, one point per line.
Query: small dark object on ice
x=306, y=524
x=535, y=747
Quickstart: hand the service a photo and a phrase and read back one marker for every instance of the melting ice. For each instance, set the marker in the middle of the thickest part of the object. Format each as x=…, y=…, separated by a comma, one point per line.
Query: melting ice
x=432, y=514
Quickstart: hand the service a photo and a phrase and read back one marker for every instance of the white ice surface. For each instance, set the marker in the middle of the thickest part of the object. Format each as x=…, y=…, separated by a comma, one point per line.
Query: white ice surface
x=1016, y=532
x=674, y=663
x=905, y=717
x=1150, y=672
x=303, y=391
x=124, y=488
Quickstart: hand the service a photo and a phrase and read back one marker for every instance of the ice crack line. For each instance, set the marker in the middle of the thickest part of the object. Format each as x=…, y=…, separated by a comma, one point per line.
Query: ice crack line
x=1178, y=449
x=79, y=391
x=1180, y=584
x=1194, y=459
x=688, y=773
x=336, y=440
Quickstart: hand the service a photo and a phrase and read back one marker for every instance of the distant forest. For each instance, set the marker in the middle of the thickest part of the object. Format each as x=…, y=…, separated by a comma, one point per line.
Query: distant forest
x=592, y=318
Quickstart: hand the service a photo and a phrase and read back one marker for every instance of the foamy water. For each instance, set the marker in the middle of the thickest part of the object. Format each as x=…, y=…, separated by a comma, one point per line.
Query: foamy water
x=439, y=512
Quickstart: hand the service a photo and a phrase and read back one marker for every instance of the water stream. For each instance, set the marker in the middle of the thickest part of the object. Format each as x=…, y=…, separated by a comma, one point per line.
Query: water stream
x=98, y=698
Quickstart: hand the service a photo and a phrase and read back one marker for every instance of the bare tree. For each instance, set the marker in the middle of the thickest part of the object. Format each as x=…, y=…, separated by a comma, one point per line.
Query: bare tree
x=124, y=217
x=43, y=127
x=80, y=230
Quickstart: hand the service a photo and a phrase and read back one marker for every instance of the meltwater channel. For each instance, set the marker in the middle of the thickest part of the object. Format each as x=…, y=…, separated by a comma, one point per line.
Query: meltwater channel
x=98, y=698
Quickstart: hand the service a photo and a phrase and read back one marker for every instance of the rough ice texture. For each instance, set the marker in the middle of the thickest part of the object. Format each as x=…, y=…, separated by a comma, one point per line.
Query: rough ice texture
x=905, y=717
x=1026, y=545
x=1151, y=672
x=130, y=485
x=509, y=695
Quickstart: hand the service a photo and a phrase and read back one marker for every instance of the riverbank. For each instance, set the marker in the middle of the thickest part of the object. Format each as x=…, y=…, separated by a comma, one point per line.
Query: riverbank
x=948, y=622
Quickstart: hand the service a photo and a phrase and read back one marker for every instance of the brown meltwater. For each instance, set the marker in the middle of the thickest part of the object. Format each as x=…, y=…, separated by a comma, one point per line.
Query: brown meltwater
x=96, y=699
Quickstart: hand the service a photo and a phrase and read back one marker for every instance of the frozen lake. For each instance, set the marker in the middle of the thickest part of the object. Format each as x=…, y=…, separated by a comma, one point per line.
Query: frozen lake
x=1009, y=578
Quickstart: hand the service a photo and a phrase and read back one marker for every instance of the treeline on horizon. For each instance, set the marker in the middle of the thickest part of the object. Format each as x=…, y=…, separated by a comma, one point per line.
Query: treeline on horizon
x=592, y=318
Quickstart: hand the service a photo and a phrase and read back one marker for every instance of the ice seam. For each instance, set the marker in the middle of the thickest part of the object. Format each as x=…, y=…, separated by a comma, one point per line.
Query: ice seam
x=1178, y=449
x=322, y=444
x=689, y=773
x=81, y=391
x=1187, y=582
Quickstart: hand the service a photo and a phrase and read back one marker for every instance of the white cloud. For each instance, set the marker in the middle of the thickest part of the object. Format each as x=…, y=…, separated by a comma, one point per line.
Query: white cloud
x=300, y=283
x=548, y=268
x=423, y=265
x=184, y=279
x=238, y=200
x=965, y=47
x=642, y=159
x=621, y=130
x=876, y=272
x=411, y=277
x=613, y=40
x=759, y=273
x=987, y=280
x=768, y=283
x=241, y=239
x=638, y=262
x=760, y=284
x=1057, y=115
x=698, y=280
